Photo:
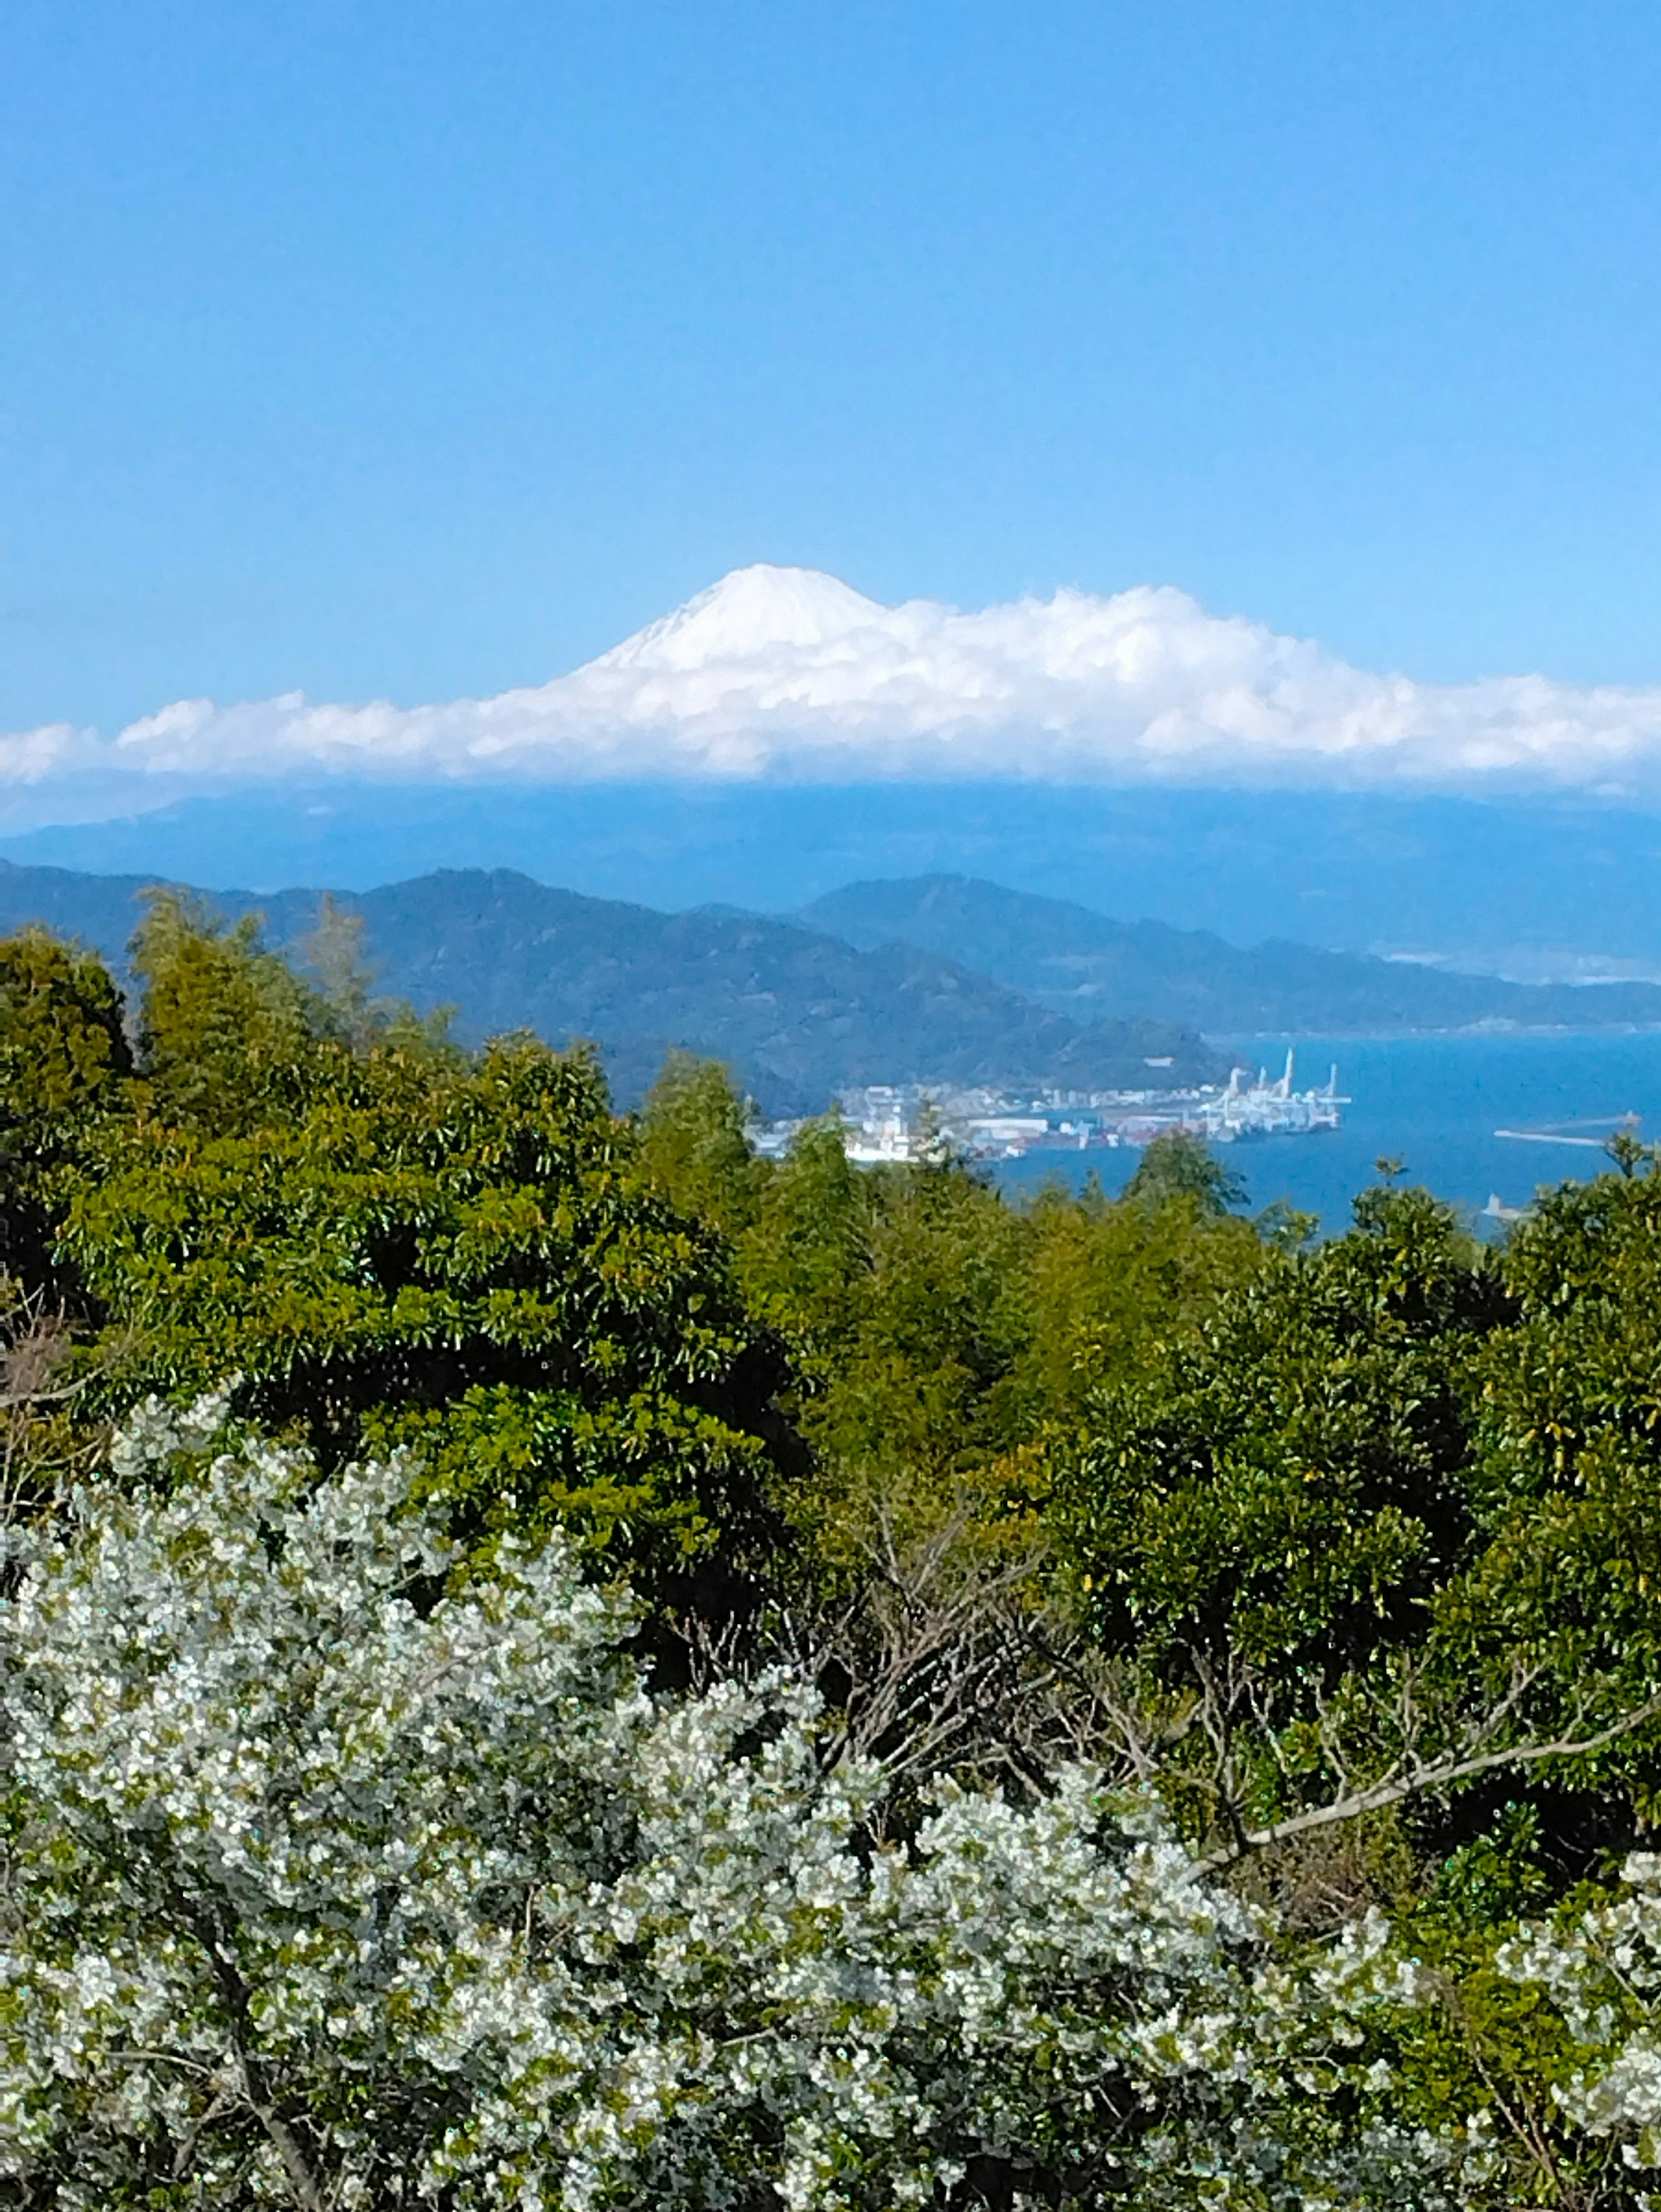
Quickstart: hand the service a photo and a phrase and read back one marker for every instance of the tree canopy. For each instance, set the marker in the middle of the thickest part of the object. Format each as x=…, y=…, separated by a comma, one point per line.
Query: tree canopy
x=387, y=1241
x=903, y=1606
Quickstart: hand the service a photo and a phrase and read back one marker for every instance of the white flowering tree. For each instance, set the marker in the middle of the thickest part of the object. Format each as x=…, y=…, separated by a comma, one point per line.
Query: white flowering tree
x=1599, y=1967
x=331, y=1878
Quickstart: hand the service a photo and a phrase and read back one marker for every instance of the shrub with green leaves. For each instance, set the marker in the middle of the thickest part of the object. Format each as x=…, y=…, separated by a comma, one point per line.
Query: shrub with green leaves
x=1382, y=1548
x=941, y=1338
x=461, y=1258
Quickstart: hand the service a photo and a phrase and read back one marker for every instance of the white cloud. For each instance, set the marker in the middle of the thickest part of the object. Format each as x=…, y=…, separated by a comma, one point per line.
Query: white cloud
x=785, y=672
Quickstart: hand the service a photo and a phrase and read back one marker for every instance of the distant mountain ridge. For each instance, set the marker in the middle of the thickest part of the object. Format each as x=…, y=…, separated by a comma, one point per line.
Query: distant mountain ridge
x=799, y=1015
x=1084, y=964
x=941, y=979
x=1535, y=892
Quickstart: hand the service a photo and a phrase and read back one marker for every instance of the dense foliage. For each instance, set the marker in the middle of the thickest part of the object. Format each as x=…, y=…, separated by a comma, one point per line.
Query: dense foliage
x=63, y=1052
x=939, y=1339
x=352, y=1806
x=385, y=1241
x=325, y=1886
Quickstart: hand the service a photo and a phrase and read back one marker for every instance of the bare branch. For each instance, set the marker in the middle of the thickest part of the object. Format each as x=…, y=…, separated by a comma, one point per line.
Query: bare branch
x=1437, y=1774
x=38, y=1452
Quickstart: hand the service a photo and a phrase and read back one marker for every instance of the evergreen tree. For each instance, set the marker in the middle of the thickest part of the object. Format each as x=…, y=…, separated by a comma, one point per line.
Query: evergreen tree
x=63, y=1058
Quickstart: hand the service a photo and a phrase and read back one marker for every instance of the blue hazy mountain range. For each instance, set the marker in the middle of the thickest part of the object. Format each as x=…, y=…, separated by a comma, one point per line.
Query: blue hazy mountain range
x=1085, y=965
x=1533, y=890
x=938, y=979
x=798, y=1015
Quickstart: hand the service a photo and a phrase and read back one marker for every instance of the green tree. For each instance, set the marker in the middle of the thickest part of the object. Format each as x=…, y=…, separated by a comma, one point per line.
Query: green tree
x=942, y=1343
x=64, y=1057
x=899, y=1292
x=1262, y=1522
x=695, y=1143
x=1383, y=1545
x=938, y=1324
x=1569, y=1469
x=390, y=1243
x=334, y=965
x=805, y=1259
x=1179, y=1164
x=228, y=1032
x=940, y=1339
x=1110, y=1284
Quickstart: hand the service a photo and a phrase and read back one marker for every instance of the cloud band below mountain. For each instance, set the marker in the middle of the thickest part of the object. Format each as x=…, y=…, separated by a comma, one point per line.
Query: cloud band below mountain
x=783, y=672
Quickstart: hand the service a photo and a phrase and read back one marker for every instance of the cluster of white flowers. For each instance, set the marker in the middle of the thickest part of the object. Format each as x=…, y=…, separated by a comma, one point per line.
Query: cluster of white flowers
x=332, y=1877
x=1601, y=1969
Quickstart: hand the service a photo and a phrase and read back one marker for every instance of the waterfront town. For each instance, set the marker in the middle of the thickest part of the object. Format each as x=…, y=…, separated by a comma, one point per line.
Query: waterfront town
x=887, y=1122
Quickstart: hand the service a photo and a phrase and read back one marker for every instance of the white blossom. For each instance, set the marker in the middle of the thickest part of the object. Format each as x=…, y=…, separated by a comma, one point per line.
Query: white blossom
x=335, y=1876
x=1601, y=1966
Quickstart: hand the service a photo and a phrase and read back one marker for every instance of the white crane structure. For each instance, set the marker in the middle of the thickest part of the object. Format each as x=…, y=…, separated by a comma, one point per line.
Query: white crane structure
x=1266, y=1109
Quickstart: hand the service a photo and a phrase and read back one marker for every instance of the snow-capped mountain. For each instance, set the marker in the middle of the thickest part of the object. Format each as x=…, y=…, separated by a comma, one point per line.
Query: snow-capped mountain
x=789, y=673
x=750, y=613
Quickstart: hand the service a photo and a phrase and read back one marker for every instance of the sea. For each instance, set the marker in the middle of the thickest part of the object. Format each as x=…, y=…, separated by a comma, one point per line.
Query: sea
x=1435, y=1104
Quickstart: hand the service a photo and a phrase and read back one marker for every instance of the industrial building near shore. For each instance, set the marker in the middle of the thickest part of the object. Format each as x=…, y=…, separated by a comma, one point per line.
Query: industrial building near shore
x=893, y=1122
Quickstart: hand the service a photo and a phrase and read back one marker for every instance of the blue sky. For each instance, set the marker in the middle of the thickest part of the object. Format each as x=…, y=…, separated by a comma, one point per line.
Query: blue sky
x=417, y=350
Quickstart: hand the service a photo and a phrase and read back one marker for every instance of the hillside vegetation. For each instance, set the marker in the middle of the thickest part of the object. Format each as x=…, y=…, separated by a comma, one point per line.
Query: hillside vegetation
x=1510, y=885
x=1093, y=968
x=936, y=979
x=545, y=1659
x=800, y=1015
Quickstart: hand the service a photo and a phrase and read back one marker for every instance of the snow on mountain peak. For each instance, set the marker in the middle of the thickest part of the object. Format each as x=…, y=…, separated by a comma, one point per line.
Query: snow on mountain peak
x=748, y=613
x=787, y=672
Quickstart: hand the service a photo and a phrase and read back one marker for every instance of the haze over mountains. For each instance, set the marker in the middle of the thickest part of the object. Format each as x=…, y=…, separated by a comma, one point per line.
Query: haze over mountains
x=798, y=1015
x=1092, y=969
x=780, y=734
x=938, y=979
x=1535, y=891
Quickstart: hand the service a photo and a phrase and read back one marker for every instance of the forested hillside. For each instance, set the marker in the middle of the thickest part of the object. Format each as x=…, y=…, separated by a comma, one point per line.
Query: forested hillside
x=799, y=1015
x=545, y=1659
x=1486, y=878
x=1092, y=968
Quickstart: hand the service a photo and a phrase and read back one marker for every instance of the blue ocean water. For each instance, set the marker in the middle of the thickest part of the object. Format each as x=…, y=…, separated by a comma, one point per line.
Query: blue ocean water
x=1434, y=1103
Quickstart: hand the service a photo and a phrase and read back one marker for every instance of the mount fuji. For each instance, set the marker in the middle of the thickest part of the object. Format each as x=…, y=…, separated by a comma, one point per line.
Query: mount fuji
x=788, y=675
x=781, y=733
x=749, y=614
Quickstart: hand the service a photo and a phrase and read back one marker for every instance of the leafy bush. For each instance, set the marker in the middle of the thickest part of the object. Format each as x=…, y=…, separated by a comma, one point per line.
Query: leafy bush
x=1261, y=1518
x=464, y=1258
x=63, y=1055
